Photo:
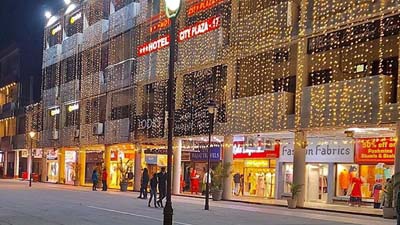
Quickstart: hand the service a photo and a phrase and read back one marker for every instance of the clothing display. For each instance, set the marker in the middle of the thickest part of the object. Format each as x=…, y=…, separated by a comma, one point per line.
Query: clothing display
x=344, y=179
x=356, y=190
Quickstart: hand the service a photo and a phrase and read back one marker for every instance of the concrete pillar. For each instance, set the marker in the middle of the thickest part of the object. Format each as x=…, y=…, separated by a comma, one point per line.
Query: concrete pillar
x=331, y=182
x=138, y=168
x=299, y=165
x=5, y=164
x=279, y=182
x=228, y=159
x=61, y=164
x=176, y=182
x=107, y=163
x=82, y=163
x=16, y=164
x=44, y=166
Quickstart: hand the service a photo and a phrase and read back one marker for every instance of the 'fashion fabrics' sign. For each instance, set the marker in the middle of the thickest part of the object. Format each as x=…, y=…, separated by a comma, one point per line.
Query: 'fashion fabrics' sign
x=375, y=150
x=200, y=28
x=320, y=150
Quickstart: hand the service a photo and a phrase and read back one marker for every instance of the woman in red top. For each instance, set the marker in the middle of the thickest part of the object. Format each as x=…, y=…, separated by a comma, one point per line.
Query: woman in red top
x=194, y=182
x=104, y=179
x=355, y=197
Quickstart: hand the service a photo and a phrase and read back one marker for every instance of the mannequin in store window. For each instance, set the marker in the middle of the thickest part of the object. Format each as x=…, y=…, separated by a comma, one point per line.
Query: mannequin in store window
x=344, y=181
x=355, y=196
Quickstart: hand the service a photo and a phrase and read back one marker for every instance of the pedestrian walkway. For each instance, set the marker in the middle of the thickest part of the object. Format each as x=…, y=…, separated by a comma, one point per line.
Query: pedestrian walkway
x=364, y=210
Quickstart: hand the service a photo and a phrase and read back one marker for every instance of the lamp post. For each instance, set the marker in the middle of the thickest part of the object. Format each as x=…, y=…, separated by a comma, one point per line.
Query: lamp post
x=32, y=135
x=172, y=10
x=211, y=111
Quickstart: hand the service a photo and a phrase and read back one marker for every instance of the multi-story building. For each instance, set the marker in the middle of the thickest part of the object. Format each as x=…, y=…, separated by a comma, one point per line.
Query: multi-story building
x=17, y=81
x=306, y=92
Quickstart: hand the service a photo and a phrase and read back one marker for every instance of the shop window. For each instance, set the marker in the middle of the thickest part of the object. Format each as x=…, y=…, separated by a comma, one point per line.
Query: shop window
x=285, y=84
x=320, y=77
x=287, y=177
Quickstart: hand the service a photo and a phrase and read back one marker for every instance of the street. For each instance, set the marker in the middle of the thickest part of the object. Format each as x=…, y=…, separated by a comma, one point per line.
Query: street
x=46, y=204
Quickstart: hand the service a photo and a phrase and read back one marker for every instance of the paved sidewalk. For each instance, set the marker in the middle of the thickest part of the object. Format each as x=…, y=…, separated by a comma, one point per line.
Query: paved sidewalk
x=364, y=210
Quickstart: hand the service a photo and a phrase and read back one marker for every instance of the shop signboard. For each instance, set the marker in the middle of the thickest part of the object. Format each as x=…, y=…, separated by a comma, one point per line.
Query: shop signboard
x=321, y=150
x=151, y=159
x=185, y=157
x=202, y=154
x=199, y=28
x=156, y=151
x=24, y=154
x=202, y=6
x=94, y=157
x=255, y=147
x=375, y=150
x=52, y=154
x=70, y=156
x=37, y=153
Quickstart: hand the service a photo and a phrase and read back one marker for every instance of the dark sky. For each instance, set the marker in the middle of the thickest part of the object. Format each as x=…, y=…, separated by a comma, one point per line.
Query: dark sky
x=22, y=22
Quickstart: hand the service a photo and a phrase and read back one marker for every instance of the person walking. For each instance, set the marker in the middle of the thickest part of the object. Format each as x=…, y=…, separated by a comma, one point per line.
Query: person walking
x=162, y=186
x=236, y=180
x=153, y=190
x=95, y=180
x=144, y=183
x=104, y=179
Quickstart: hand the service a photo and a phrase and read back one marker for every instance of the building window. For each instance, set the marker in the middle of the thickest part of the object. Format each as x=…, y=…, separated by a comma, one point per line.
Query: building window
x=74, y=24
x=121, y=104
x=119, y=4
x=50, y=76
x=321, y=77
x=285, y=84
x=72, y=115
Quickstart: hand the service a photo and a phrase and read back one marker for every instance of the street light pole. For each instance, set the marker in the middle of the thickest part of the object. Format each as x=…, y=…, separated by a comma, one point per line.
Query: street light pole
x=30, y=176
x=31, y=135
x=172, y=11
x=211, y=109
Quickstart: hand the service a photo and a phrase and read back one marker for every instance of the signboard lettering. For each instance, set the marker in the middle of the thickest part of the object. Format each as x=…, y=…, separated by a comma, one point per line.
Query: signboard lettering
x=202, y=155
x=153, y=45
x=201, y=6
x=200, y=28
x=375, y=150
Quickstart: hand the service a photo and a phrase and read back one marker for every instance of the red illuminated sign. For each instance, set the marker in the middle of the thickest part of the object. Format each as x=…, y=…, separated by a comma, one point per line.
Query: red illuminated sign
x=199, y=28
x=160, y=25
x=375, y=150
x=201, y=6
x=240, y=151
x=195, y=30
x=153, y=46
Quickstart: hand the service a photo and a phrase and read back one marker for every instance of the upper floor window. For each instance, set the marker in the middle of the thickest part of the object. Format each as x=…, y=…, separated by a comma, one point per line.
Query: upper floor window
x=119, y=4
x=74, y=24
x=72, y=115
x=121, y=104
x=51, y=73
x=55, y=35
x=98, y=10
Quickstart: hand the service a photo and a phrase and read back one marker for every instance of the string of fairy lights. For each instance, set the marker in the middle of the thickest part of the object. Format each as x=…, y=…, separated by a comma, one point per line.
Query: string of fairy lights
x=287, y=59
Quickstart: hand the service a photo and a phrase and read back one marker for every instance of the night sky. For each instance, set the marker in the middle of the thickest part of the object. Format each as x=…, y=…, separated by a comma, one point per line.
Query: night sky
x=22, y=22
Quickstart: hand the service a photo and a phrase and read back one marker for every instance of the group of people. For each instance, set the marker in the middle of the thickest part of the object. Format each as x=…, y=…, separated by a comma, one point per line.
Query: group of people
x=238, y=179
x=95, y=179
x=157, y=180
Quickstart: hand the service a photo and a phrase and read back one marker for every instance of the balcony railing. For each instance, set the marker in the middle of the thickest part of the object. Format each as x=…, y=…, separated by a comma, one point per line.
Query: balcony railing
x=356, y=101
x=261, y=113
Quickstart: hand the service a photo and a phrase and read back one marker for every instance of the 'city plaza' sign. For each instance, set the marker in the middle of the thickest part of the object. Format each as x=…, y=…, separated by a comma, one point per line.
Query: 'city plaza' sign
x=195, y=30
x=320, y=150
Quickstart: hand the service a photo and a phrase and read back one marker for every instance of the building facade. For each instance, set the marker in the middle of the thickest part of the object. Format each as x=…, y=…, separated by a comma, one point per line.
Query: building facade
x=306, y=92
x=17, y=90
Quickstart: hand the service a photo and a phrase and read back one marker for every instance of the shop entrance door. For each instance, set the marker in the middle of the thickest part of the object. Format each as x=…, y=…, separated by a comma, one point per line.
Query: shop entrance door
x=317, y=183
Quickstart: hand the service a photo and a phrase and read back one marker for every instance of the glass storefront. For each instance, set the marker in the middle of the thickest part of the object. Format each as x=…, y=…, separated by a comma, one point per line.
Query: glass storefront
x=257, y=177
x=52, y=165
x=94, y=161
x=70, y=164
x=125, y=160
x=317, y=182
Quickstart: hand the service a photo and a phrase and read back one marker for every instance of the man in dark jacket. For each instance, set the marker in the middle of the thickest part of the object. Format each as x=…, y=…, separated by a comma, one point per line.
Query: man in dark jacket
x=162, y=186
x=153, y=190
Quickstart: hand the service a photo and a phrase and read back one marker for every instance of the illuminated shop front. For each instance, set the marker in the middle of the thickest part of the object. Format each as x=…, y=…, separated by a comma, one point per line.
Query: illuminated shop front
x=194, y=163
x=155, y=158
x=70, y=166
x=322, y=156
x=122, y=156
x=94, y=161
x=52, y=165
x=254, y=161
